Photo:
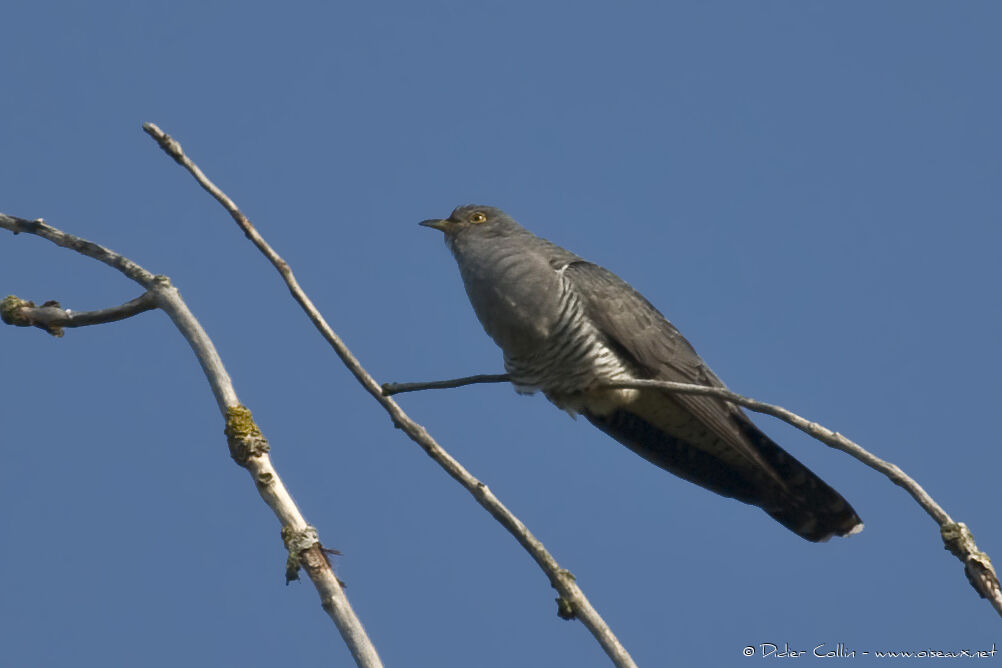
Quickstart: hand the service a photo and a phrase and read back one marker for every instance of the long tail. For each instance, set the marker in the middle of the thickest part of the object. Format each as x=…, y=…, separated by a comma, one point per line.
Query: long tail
x=776, y=482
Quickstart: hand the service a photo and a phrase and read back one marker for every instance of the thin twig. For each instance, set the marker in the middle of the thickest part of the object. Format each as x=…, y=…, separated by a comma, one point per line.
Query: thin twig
x=389, y=389
x=573, y=602
x=956, y=536
x=247, y=445
x=82, y=246
x=51, y=317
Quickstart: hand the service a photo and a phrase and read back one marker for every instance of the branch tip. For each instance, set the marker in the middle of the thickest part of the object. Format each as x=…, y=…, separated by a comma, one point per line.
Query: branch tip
x=959, y=541
x=170, y=145
x=12, y=310
x=23, y=313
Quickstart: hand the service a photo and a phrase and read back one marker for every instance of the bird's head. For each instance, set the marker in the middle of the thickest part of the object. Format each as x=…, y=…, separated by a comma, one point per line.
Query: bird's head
x=476, y=219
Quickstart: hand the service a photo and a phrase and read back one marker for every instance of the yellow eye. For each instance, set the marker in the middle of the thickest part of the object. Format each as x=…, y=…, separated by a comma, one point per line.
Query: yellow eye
x=478, y=217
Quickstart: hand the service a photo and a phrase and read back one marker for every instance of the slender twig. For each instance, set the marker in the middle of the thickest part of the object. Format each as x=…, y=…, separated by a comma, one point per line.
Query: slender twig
x=956, y=536
x=82, y=246
x=247, y=445
x=51, y=317
x=572, y=601
x=389, y=389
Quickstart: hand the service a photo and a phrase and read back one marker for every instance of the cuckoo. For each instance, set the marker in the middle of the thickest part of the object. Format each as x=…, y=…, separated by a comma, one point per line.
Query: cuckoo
x=569, y=328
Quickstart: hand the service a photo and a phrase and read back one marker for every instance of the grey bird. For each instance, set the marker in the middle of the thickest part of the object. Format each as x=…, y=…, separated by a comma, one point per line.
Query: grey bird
x=567, y=327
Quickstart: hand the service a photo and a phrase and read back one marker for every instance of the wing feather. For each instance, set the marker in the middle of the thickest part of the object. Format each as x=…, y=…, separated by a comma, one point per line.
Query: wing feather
x=639, y=333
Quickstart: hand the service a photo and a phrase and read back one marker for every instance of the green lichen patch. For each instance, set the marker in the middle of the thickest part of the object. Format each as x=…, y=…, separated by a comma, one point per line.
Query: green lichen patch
x=564, y=609
x=243, y=436
x=11, y=310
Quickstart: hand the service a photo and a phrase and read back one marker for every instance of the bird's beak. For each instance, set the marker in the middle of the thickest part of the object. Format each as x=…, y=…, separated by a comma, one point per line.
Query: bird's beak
x=437, y=223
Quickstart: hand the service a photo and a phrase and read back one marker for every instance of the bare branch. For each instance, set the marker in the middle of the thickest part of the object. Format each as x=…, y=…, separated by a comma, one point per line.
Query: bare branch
x=956, y=536
x=82, y=246
x=248, y=446
x=173, y=149
x=572, y=601
x=51, y=317
x=813, y=429
x=389, y=389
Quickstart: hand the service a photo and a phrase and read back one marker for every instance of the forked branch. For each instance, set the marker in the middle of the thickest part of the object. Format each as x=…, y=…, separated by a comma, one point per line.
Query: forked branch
x=248, y=446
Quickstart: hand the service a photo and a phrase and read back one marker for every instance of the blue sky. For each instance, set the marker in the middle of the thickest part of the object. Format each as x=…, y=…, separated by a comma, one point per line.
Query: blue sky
x=808, y=190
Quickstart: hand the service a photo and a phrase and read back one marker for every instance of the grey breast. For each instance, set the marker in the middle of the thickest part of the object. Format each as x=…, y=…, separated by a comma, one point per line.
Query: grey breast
x=526, y=304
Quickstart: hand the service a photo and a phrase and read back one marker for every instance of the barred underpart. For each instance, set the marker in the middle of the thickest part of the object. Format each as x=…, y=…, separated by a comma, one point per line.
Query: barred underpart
x=573, y=362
